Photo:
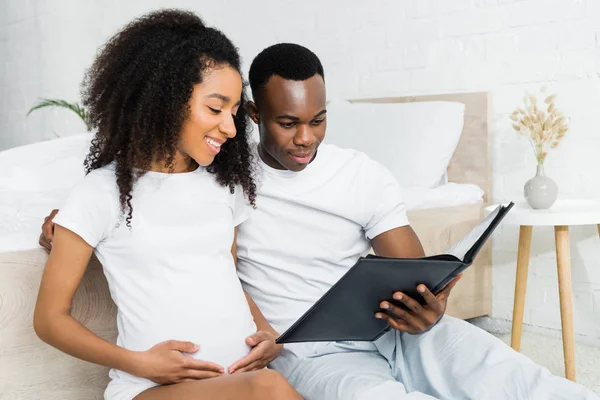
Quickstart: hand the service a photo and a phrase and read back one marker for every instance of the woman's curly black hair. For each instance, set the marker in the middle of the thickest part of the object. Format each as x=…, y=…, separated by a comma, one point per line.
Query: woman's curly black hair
x=137, y=91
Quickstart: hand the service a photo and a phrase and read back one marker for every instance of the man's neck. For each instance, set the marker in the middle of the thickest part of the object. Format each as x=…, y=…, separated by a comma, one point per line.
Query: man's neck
x=268, y=159
x=271, y=162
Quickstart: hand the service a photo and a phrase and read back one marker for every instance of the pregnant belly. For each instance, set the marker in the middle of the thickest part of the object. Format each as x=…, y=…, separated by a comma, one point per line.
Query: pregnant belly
x=221, y=340
x=223, y=351
x=210, y=311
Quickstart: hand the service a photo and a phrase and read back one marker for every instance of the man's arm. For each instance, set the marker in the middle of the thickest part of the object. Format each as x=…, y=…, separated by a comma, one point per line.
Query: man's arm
x=399, y=242
x=402, y=242
x=47, y=235
x=264, y=348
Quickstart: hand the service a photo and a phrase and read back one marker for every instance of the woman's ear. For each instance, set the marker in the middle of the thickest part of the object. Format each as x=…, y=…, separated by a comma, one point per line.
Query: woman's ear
x=252, y=110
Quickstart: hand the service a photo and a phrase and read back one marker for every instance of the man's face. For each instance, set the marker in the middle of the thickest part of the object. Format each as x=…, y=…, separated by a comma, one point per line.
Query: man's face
x=291, y=121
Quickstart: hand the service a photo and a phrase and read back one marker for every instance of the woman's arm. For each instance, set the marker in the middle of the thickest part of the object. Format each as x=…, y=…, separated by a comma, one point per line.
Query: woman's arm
x=257, y=315
x=263, y=343
x=164, y=363
x=52, y=319
x=259, y=318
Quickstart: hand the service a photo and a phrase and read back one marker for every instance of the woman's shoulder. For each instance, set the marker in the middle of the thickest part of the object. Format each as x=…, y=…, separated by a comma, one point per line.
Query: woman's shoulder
x=105, y=172
x=100, y=181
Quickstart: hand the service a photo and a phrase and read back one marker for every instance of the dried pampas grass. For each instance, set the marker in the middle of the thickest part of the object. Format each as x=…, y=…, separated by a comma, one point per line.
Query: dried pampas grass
x=543, y=125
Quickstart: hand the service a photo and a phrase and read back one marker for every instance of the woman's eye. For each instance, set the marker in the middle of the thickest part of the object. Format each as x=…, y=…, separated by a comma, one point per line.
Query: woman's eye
x=214, y=111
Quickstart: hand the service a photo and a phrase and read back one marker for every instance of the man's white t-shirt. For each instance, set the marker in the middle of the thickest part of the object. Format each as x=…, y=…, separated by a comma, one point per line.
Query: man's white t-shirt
x=172, y=275
x=310, y=227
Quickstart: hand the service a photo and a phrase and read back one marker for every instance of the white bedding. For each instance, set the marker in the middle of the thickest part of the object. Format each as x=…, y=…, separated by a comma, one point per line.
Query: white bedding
x=21, y=216
x=449, y=194
x=37, y=178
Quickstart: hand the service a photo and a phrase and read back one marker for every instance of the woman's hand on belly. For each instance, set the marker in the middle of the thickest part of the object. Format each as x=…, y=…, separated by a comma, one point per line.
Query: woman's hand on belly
x=165, y=363
x=264, y=350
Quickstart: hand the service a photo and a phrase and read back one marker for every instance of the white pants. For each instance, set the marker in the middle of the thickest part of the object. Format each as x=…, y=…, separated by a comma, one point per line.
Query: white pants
x=454, y=360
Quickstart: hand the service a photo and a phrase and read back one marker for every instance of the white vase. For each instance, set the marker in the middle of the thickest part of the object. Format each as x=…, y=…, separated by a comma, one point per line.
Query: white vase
x=540, y=191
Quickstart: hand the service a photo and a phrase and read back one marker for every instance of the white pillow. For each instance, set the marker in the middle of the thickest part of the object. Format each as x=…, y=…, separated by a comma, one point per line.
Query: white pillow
x=415, y=141
x=35, y=179
x=55, y=164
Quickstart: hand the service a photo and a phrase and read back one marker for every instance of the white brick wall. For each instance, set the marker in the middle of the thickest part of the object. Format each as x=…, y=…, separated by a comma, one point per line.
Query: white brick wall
x=374, y=48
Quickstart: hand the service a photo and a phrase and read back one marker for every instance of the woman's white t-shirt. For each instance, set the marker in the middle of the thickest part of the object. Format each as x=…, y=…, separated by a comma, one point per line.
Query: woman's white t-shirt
x=171, y=275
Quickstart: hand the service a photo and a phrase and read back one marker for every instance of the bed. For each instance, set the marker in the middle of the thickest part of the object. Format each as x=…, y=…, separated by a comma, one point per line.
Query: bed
x=31, y=369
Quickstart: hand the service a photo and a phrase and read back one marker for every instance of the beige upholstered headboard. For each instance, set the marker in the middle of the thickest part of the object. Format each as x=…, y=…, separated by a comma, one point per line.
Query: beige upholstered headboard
x=471, y=162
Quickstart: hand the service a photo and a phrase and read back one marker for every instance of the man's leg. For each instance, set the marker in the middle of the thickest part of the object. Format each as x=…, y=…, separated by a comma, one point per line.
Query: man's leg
x=344, y=371
x=457, y=360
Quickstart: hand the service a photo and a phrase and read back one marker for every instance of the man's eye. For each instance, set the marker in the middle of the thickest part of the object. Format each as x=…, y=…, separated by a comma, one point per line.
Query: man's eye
x=214, y=111
x=317, y=122
x=287, y=125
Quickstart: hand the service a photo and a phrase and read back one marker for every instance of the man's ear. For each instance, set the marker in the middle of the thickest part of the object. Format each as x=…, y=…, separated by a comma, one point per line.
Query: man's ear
x=252, y=110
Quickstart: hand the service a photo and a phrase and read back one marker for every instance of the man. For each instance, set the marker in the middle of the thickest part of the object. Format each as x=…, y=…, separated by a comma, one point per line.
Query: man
x=319, y=208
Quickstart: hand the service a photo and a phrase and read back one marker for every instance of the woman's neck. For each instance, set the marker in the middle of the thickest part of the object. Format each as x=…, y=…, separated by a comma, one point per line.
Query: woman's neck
x=181, y=164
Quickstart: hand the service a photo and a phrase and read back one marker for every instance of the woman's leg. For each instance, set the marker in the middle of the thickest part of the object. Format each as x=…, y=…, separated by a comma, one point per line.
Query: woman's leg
x=257, y=385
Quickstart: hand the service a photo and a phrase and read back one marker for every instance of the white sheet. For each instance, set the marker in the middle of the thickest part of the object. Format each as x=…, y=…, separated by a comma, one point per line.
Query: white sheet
x=46, y=165
x=449, y=194
x=21, y=216
x=35, y=179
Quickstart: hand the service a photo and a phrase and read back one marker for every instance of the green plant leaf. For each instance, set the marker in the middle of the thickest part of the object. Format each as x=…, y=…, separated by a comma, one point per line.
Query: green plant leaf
x=75, y=107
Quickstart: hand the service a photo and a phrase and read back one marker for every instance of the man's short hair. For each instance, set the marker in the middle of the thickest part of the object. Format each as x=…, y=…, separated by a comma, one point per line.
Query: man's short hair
x=287, y=60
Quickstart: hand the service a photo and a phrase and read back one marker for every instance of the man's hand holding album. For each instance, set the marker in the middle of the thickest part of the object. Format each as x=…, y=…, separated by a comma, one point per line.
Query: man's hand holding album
x=417, y=318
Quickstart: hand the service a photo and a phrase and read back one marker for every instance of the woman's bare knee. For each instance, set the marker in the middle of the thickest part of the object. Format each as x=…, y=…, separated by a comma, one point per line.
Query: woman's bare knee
x=259, y=385
x=271, y=385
